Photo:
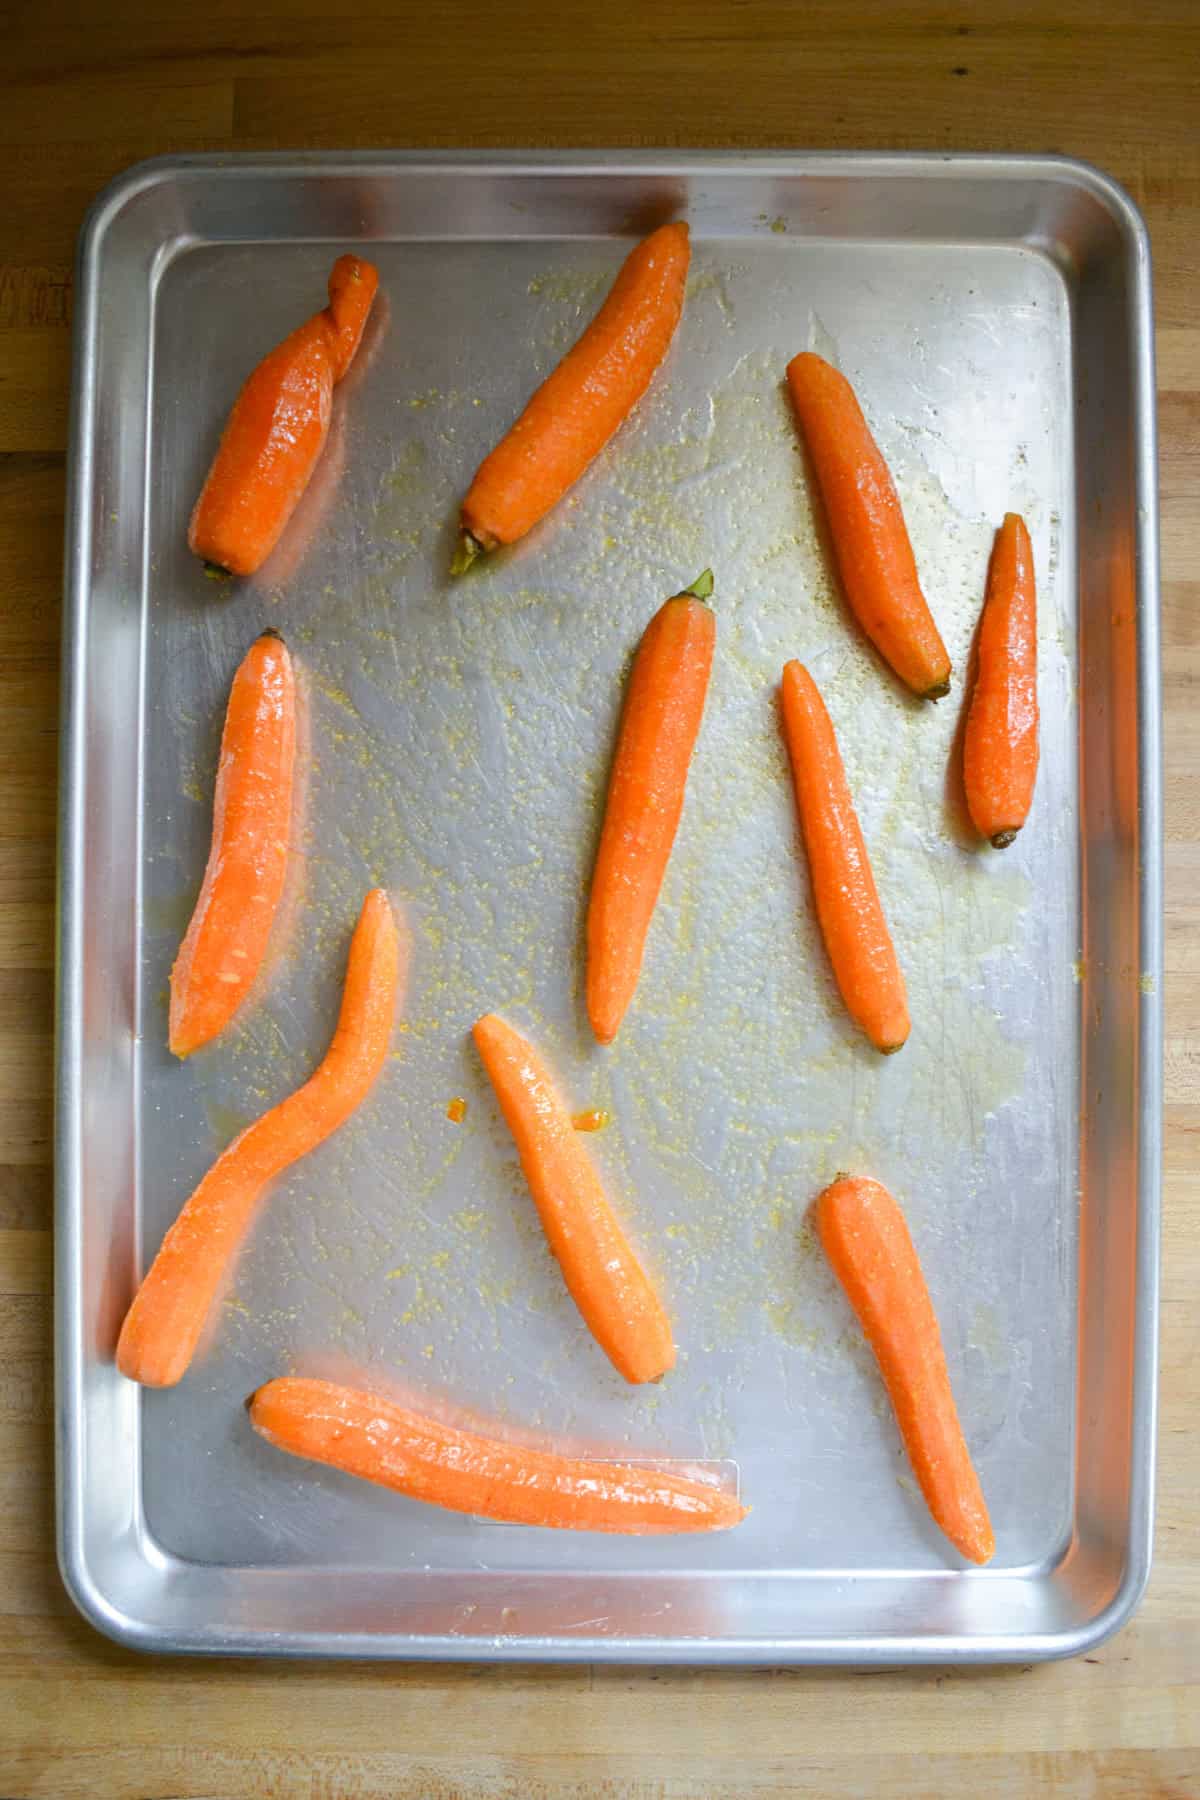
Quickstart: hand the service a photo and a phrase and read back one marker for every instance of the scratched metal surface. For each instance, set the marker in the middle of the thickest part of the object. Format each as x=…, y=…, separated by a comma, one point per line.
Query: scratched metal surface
x=456, y=740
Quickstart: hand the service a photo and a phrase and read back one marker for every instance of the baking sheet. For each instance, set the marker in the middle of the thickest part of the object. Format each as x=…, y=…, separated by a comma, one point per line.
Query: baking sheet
x=458, y=737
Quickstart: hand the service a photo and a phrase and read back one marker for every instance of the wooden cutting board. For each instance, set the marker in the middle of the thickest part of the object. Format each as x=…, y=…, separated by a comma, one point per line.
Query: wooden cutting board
x=87, y=89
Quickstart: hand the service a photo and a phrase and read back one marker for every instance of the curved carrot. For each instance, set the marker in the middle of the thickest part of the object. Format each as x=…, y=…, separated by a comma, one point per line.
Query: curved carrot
x=277, y=428
x=365, y=1435
x=870, y=539
x=226, y=941
x=163, y=1326
x=605, y=1279
x=851, y=918
x=663, y=708
x=1000, y=748
x=868, y=1243
x=577, y=409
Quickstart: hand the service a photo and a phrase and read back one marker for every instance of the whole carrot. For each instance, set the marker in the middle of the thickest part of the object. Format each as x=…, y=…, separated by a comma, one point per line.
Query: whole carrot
x=226, y=941
x=163, y=1326
x=868, y=1243
x=663, y=709
x=577, y=408
x=1000, y=748
x=870, y=539
x=604, y=1277
x=373, y=1438
x=851, y=918
x=277, y=428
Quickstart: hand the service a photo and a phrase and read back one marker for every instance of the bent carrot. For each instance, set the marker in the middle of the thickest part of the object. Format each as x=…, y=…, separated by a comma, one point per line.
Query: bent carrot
x=365, y=1435
x=224, y=945
x=867, y=1240
x=277, y=428
x=604, y=1277
x=163, y=1326
x=1000, y=748
x=848, y=909
x=870, y=539
x=578, y=408
x=663, y=709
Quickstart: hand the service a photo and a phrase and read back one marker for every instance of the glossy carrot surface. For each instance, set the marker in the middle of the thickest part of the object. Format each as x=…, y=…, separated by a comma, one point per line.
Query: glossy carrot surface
x=870, y=539
x=1000, y=747
x=226, y=941
x=848, y=907
x=163, y=1326
x=373, y=1438
x=277, y=428
x=865, y=1236
x=664, y=704
x=602, y=1273
x=578, y=408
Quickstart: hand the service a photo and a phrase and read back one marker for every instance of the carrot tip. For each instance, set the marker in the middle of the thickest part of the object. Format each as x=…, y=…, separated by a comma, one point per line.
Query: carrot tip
x=701, y=588
x=466, y=551
x=1003, y=839
x=939, y=692
x=215, y=572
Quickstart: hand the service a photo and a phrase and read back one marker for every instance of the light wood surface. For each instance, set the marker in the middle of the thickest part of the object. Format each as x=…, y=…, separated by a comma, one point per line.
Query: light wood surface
x=85, y=91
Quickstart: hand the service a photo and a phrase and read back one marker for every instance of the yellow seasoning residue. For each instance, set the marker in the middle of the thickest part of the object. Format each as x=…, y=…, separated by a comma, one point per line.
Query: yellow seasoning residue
x=456, y=1111
x=594, y=1119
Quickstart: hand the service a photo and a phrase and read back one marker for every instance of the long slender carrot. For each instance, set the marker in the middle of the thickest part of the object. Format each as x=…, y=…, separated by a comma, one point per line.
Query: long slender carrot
x=163, y=1326
x=663, y=708
x=1000, y=748
x=867, y=1241
x=870, y=539
x=226, y=941
x=578, y=408
x=365, y=1435
x=851, y=918
x=604, y=1277
x=277, y=428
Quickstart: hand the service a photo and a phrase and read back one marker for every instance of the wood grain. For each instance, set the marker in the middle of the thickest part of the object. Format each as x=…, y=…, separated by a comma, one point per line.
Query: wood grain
x=89, y=87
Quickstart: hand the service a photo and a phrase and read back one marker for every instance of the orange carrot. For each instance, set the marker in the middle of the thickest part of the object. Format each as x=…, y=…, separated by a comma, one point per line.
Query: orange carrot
x=226, y=940
x=870, y=539
x=868, y=1243
x=163, y=1326
x=577, y=408
x=663, y=708
x=365, y=1435
x=277, y=428
x=605, y=1279
x=851, y=918
x=1000, y=748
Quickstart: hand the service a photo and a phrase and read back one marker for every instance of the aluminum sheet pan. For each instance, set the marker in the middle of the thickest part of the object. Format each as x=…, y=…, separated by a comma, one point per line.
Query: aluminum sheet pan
x=994, y=314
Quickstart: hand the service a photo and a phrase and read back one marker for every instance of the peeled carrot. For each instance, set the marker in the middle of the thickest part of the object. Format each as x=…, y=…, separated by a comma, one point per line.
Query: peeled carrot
x=870, y=539
x=868, y=1243
x=226, y=941
x=605, y=1279
x=277, y=428
x=577, y=409
x=373, y=1438
x=1000, y=748
x=663, y=708
x=851, y=918
x=163, y=1326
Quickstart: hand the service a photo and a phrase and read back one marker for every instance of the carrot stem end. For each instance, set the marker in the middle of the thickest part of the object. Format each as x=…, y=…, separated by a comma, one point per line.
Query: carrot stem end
x=466, y=551
x=701, y=588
